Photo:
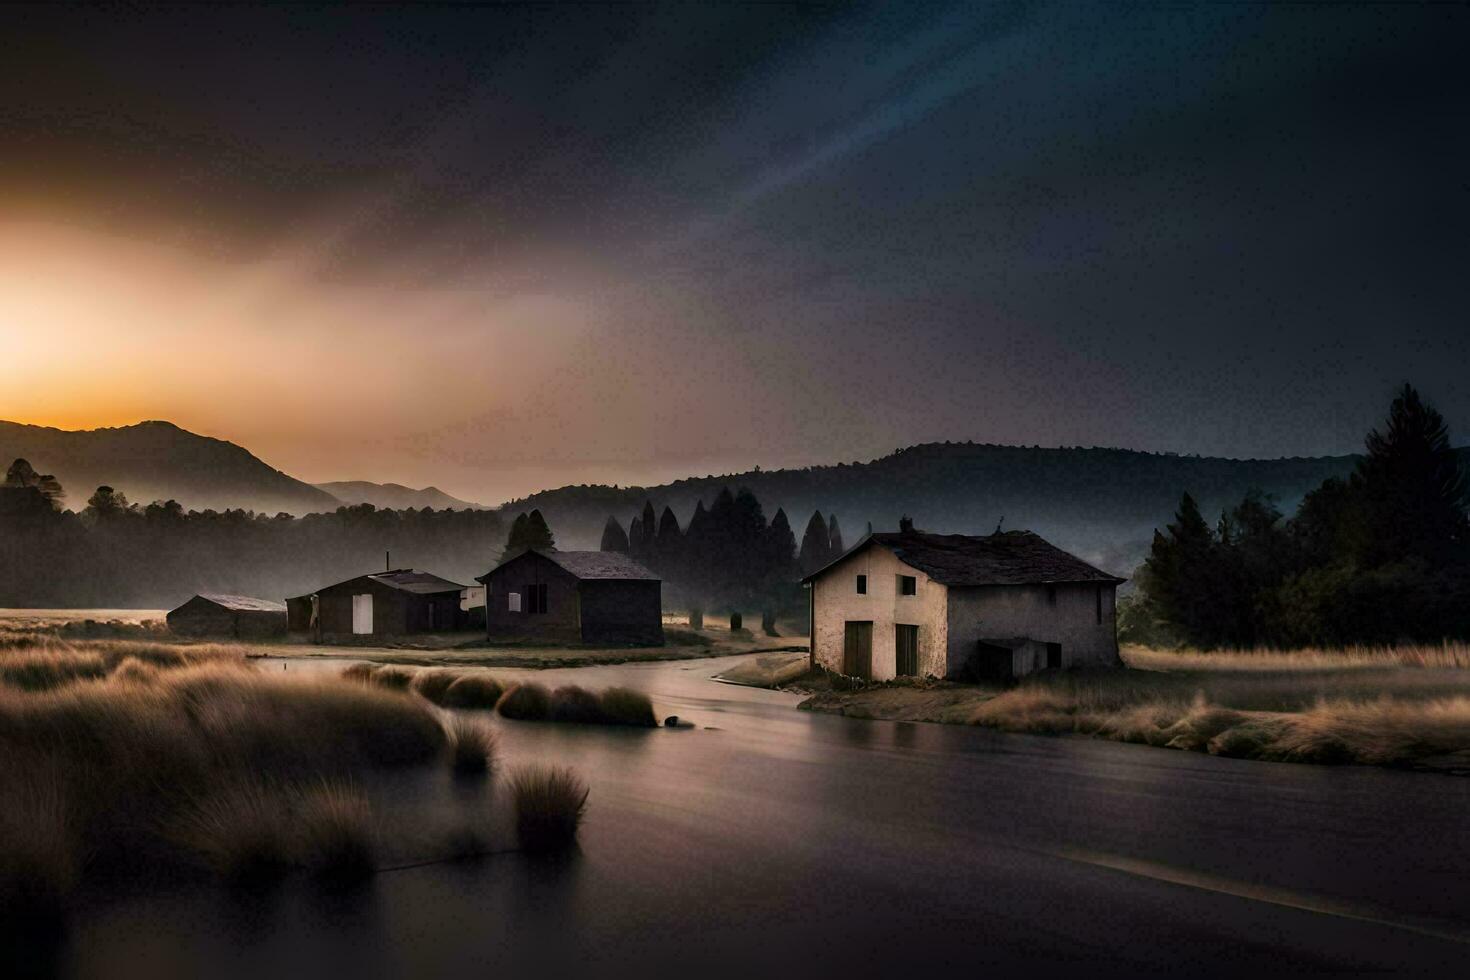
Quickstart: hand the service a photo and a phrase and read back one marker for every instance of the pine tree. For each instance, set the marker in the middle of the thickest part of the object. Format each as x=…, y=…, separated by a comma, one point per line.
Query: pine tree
x=1412, y=487
x=834, y=536
x=614, y=538
x=669, y=544
x=648, y=529
x=816, y=544
x=781, y=548
x=538, y=533
x=1181, y=568
x=635, y=539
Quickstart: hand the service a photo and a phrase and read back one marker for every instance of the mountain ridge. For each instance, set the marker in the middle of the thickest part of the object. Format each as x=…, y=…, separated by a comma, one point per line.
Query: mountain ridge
x=395, y=496
x=158, y=460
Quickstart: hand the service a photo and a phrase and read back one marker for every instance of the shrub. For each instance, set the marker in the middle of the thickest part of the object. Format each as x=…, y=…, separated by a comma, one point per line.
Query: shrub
x=336, y=827
x=525, y=702
x=549, y=804
x=625, y=706
x=431, y=684
x=43, y=669
x=477, y=690
x=576, y=705
x=471, y=747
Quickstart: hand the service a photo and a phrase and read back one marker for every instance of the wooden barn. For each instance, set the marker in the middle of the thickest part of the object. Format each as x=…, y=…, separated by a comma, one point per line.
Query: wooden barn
x=238, y=616
x=392, y=603
x=599, y=597
x=960, y=606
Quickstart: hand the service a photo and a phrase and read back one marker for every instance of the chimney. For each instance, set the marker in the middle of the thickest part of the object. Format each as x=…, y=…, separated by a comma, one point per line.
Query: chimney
x=905, y=525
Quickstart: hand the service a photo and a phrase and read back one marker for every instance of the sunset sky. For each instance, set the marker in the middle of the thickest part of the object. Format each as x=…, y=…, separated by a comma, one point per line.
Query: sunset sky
x=500, y=248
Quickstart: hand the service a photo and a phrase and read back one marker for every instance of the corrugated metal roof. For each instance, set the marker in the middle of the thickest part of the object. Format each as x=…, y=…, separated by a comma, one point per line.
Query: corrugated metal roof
x=1008, y=558
x=242, y=603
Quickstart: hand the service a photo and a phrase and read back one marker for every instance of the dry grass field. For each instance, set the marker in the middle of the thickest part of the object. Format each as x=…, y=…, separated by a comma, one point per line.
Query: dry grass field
x=1406, y=706
x=120, y=755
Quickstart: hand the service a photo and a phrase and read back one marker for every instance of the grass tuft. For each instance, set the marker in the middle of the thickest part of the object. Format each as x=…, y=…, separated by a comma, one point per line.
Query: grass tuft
x=471, y=747
x=337, y=832
x=549, y=805
x=525, y=702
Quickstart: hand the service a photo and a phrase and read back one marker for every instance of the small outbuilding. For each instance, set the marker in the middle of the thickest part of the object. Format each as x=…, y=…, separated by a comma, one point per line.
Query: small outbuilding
x=600, y=597
x=391, y=603
x=237, y=616
x=960, y=606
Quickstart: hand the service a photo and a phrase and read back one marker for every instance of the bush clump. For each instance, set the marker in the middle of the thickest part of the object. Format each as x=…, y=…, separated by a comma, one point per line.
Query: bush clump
x=549, y=804
x=525, y=702
x=431, y=684
x=477, y=690
x=625, y=706
x=575, y=705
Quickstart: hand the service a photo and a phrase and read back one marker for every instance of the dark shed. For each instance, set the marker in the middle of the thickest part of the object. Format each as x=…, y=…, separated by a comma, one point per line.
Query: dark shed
x=385, y=604
x=577, y=596
x=243, y=617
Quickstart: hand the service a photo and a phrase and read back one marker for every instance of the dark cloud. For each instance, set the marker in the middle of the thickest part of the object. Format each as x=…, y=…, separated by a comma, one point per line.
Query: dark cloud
x=1215, y=228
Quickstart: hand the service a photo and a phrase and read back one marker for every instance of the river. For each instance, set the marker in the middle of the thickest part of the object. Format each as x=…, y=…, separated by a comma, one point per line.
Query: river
x=771, y=840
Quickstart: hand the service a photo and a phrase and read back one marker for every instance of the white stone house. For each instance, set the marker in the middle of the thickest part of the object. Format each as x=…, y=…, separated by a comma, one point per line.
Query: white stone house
x=959, y=606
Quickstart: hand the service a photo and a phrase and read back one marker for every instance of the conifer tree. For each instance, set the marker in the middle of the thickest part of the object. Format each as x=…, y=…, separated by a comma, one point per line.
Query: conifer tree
x=834, y=538
x=816, y=544
x=614, y=538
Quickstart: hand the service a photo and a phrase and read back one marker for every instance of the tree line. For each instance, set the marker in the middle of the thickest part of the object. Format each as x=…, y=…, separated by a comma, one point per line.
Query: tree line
x=729, y=555
x=1380, y=556
x=118, y=554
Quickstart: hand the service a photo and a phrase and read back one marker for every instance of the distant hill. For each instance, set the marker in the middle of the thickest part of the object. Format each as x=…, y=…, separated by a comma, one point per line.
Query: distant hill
x=1102, y=504
x=159, y=461
x=394, y=496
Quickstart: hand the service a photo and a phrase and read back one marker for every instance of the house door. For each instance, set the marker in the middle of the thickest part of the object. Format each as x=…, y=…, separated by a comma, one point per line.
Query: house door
x=857, y=650
x=362, y=614
x=906, y=650
x=1054, y=656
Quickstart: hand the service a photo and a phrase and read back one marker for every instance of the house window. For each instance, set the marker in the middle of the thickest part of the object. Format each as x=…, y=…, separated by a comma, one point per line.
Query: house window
x=1051, y=595
x=536, y=598
x=862, y=585
x=908, y=585
x=514, y=603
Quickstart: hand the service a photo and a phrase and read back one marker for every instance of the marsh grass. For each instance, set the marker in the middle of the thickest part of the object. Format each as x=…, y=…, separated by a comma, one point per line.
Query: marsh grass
x=181, y=757
x=549, y=804
x=336, y=824
x=525, y=701
x=1392, y=707
x=472, y=747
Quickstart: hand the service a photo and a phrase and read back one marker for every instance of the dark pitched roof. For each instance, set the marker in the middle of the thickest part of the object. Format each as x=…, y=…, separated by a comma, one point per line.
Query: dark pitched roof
x=588, y=565
x=242, y=603
x=1008, y=558
x=410, y=580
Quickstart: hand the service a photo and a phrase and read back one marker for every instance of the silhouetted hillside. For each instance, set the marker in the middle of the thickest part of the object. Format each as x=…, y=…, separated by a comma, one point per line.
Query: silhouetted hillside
x=394, y=496
x=159, y=461
x=1102, y=504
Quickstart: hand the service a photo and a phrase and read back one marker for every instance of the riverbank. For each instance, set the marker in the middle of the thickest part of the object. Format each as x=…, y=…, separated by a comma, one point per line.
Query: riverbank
x=1405, y=707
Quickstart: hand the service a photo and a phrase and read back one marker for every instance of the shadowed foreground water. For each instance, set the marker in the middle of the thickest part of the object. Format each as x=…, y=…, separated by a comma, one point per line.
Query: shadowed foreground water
x=797, y=844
